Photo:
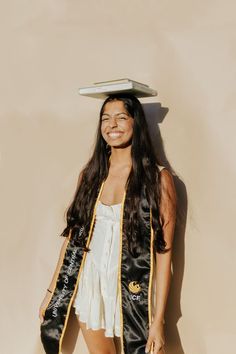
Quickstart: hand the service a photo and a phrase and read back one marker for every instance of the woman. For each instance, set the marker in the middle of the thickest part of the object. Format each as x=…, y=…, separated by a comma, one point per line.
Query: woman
x=124, y=179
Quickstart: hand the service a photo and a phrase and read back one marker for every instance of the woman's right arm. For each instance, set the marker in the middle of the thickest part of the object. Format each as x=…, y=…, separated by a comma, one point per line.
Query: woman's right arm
x=56, y=272
x=53, y=281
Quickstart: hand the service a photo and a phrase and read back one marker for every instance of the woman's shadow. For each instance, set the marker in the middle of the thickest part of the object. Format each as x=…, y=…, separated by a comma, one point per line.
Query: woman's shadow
x=155, y=115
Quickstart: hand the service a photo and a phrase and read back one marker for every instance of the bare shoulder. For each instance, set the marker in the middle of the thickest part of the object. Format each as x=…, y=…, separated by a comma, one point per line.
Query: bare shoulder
x=165, y=175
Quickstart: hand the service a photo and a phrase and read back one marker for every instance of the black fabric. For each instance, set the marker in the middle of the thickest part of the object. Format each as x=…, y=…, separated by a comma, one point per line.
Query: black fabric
x=136, y=271
x=59, y=306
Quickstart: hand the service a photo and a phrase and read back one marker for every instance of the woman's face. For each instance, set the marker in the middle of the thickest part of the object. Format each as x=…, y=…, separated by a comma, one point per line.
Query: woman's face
x=116, y=124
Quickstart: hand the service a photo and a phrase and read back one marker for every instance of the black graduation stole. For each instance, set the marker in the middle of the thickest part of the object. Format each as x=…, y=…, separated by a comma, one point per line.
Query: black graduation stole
x=134, y=282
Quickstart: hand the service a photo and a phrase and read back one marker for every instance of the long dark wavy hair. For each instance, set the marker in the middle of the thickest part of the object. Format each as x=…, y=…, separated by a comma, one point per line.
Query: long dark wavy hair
x=143, y=174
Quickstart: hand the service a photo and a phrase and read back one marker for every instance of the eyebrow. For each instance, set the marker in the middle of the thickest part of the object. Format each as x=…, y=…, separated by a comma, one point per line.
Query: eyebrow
x=115, y=114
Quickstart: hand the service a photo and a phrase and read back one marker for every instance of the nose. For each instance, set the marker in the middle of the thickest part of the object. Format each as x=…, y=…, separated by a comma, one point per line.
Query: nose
x=112, y=122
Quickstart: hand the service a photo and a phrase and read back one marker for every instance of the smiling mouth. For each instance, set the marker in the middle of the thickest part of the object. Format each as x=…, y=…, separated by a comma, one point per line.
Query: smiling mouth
x=114, y=135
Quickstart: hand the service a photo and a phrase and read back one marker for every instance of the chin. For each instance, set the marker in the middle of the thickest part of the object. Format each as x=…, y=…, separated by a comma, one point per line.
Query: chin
x=121, y=145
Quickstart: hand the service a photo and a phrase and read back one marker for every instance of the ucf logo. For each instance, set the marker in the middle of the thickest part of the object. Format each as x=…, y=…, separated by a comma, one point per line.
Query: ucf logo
x=134, y=288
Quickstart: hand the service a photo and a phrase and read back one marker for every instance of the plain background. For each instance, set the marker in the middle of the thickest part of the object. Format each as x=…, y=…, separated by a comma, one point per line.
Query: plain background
x=185, y=50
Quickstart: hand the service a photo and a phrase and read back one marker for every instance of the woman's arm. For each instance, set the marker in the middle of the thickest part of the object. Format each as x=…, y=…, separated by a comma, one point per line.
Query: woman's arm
x=52, y=285
x=59, y=264
x=167, y=209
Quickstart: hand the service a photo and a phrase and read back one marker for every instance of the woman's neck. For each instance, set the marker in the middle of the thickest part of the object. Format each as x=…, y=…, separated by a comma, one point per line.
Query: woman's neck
x=121, y=157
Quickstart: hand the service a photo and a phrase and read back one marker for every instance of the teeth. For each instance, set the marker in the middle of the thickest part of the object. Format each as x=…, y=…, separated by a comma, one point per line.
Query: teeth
x=114, y=135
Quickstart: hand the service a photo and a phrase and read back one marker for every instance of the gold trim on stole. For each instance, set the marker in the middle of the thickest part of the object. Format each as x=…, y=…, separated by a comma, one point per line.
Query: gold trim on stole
x=119, y=273
x=81, y=266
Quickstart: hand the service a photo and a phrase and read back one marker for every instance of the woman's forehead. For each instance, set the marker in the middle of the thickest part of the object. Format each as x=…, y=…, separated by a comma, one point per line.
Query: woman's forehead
x=115, y=107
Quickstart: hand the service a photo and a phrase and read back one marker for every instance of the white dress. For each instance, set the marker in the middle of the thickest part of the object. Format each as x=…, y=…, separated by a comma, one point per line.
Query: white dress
x=97, y=298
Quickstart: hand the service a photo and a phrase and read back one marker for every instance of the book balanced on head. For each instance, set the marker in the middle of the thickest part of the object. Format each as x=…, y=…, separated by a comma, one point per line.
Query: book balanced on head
x=104, y=88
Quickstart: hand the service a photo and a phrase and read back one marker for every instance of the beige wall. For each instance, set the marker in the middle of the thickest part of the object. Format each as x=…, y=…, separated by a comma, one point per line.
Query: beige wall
x=184, y=49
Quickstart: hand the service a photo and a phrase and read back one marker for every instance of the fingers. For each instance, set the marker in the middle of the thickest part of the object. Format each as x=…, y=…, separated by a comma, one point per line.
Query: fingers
x=158, y=348
x=149, y=346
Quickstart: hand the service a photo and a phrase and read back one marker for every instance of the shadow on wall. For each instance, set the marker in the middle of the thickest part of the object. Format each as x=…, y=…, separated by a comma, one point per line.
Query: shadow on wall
x=155, y=114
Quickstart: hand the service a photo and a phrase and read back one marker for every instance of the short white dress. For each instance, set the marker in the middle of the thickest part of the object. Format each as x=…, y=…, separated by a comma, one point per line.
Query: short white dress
x=97, y=298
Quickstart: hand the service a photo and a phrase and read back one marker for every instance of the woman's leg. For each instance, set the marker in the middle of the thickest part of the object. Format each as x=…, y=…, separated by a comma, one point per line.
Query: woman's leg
x=96, y=341
x=117, y=343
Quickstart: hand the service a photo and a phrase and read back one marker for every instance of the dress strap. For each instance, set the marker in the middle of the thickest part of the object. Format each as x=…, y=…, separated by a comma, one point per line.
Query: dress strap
x=161, y=167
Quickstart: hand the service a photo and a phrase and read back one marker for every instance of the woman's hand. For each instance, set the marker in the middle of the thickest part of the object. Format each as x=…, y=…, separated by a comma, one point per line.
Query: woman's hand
x=43, y=306
x=156, y=336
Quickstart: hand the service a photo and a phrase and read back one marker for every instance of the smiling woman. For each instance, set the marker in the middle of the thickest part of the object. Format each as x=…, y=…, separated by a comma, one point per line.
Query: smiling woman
x=119, y=223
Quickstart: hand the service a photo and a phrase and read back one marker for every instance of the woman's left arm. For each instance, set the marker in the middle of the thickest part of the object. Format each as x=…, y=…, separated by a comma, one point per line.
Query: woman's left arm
x=167, y=220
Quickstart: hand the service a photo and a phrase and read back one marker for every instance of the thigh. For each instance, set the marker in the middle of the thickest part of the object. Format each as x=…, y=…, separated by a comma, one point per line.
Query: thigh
x=96, y=340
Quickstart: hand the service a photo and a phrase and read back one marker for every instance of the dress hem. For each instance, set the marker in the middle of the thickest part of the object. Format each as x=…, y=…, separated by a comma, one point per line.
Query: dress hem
x=95, y=328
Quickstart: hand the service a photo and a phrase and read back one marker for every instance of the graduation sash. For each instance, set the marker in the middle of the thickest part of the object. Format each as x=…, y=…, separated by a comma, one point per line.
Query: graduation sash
x=134, y=282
